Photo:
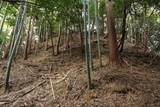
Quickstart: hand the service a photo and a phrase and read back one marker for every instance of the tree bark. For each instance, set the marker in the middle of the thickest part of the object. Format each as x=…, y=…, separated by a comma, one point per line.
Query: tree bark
x=113, y=49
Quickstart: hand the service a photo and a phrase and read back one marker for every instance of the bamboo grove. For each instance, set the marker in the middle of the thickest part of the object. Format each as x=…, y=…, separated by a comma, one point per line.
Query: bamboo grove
x=29, y=25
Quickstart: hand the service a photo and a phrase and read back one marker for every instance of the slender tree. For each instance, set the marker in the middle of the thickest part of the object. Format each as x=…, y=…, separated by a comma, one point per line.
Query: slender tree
x=89, y=37
x=21, y=17
x=3, y=20
x=28, y=38
x=58, y=40
x=97, y=30
x=121, y=45
x=89, y=68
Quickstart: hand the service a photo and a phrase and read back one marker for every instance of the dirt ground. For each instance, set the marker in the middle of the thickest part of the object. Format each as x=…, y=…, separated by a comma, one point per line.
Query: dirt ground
x=61, y=81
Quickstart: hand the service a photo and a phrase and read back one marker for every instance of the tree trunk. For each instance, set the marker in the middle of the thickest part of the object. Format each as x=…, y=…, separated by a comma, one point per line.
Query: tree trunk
x=6, y=52
x=89, y=39
x=67, y=38
x=31, y=39
x=123, y=29
x=89, y=69
x=27, y=41
x=97, y=30
x=113, y=49
x=81, y=38
x=21, y=18
x=58, y=41
x=46, y=44
x=52, y=43
x=3, y=20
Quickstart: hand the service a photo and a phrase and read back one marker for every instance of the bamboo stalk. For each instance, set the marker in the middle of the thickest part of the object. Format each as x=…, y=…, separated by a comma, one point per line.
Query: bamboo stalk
x=97, y=30
x=12, y=54
x=86, y=46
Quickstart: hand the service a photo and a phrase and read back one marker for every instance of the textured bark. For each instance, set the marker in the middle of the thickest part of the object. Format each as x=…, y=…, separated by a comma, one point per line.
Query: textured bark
x=113, y=49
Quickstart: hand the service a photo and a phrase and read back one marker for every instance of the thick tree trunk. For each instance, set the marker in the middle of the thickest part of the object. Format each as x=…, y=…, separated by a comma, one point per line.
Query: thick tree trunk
x=113, y=49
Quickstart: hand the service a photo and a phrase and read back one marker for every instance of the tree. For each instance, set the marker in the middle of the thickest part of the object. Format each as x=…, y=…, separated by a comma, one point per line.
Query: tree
x=21, y=17
x=121, y=45
x=113, y=49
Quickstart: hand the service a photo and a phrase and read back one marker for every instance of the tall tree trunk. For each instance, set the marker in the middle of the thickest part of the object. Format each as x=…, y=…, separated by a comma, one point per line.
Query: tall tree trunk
x=27, y=41
x=20, y=41
x=3, y=20
x=81, y=38
x=21, y=18
x=1, y=3
x=113, y=49
x=31, y=38
x=46, y=44
x=52, y=42
x=97, y=30
x=58, y=41
x=6, y=52
x=89, y=69
x=67, y=37
x=51, y=35
x=121, y=45
x=89, y=39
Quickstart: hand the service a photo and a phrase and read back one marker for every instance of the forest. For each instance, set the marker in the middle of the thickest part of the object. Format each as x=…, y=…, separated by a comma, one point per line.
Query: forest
x=79, y=53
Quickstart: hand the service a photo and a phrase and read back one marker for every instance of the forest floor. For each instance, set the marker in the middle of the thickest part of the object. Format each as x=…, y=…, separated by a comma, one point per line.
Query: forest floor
x=61, y=81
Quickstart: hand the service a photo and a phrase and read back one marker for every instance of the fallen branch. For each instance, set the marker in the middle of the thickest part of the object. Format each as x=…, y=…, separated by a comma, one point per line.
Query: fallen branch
x=62, y=79
x=52, y=89
x=12, y=97
x=2, y=102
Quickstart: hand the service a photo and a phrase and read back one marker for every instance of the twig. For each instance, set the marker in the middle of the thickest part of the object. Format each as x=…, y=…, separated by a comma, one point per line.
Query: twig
x=126, y=62
x=60, y=80
x=52, y=89
x=2, y=102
